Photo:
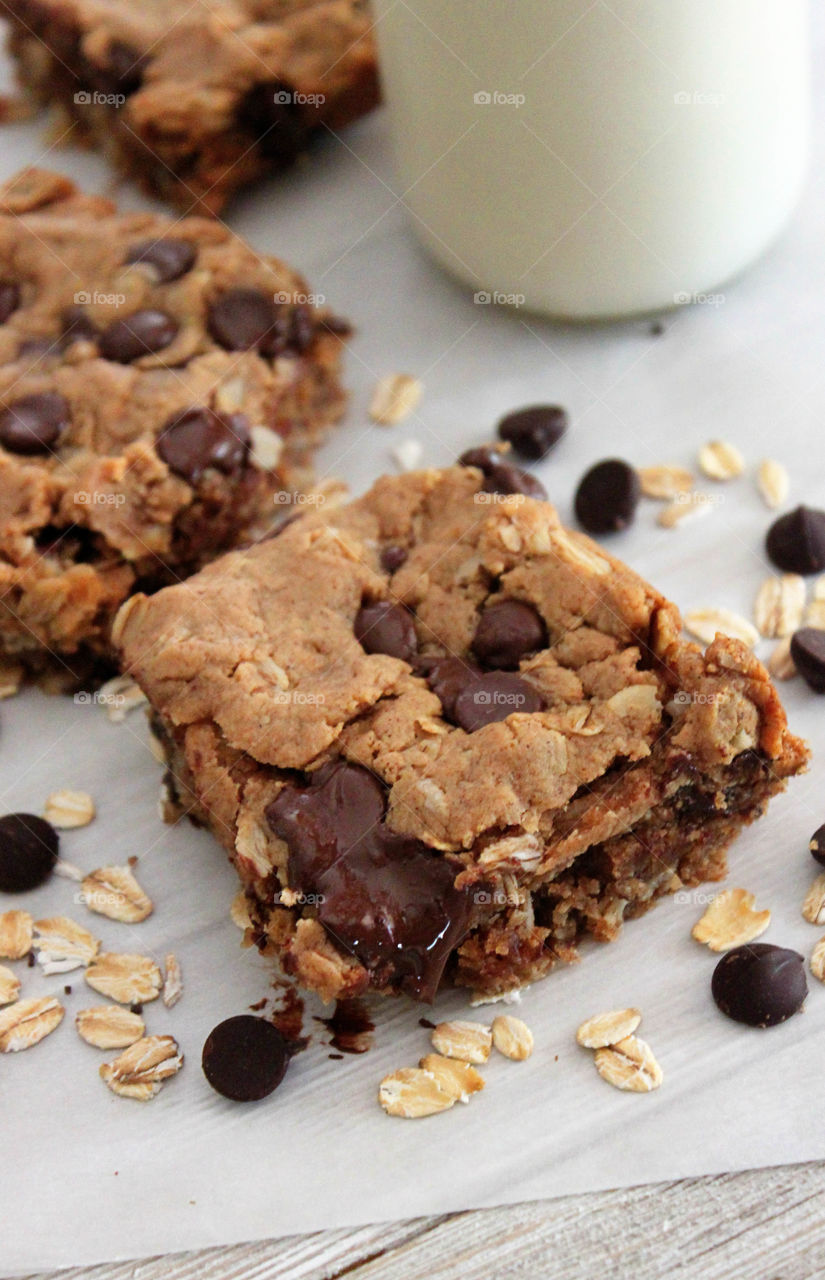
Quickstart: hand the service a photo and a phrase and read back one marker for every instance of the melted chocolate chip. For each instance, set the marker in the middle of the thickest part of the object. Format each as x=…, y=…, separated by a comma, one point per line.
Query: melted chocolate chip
x=76, y=325
x=9, y=299
x=808, y=654
x=242, y=319
x=494, y=696
x=796, y=541
x=384, y=627
x=532, y=432
x=33, y=424
x=269, y=112
x=760, y=984
x=392, y=558
x=501, y=476
x=245, y=1058
x=386, y=898
x=28, y=852
x=140, y=334
x=170, y=257
x=506, y=633
x=448, y=677
x=817, y=845
x=607, y=497
x=198, y=438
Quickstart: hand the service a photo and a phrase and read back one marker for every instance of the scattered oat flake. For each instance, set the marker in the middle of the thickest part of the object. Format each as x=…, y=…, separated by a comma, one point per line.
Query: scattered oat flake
x=407, y=454
x=9, y=985
x=173, y=981
x=730, y=921
x=629, y=1064
x=108, y=1026
x=239, y=911
x=120, y=696
x=705, y=623
x=28, y=1022
x=129, y=979
x=62, y=945
x=684, y=508
x=512, y=1037
x=458, y=1079
x=141, y=1070
x=467, y=1041
x=16, y=933
x=815, y=615
x=720, y=460
x=813, y=908
x=817, y=961
x=773, y=482
x=114, y=892
x=413, y=1093
x=608, y=1028
x=68, y=871
x=779, y=606
x=68, y=809
x=665, y=481
x=394, y=398
x=780, y=664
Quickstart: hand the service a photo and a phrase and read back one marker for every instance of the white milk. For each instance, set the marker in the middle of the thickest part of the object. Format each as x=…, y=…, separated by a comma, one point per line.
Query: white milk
x=597, y=159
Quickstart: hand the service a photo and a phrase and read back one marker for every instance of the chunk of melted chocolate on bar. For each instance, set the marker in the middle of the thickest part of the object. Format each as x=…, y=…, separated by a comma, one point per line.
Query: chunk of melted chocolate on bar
x=387, y=898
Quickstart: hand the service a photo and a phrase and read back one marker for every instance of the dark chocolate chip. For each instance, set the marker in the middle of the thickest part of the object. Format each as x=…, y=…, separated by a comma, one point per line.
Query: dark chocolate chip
x=533, y=431
x=796, y=541
x=76, y=325
x=36, y=348
x=242, y=319
x=28, y=852
x=386, y=898
x=501, y=476
x=294, y=330
x=9, y=299
x=808, y=655
x=817, y=845
x=140, y=334
x=271, y=115
x=392, y=558
x=449, y=677
x=170, y=257
x=760, y=984
x=607, y=497
x=507, y=631
x=245, y=1058
x=495, y=695
x=33, y=424
x=198, y=438
x=384, y=627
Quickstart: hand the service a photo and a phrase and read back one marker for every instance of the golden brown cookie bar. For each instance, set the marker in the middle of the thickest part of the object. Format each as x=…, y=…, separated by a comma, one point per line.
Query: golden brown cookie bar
x=194, y=98
x=160, y=383
x=444, y=738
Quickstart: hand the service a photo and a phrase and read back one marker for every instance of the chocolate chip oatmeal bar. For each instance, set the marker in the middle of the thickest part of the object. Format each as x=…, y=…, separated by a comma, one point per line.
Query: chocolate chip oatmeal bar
x=159, y=383
x=444, y=738
x=194, y=98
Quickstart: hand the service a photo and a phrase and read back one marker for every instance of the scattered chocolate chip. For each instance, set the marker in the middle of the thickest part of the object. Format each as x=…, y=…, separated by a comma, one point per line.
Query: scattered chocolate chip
x=31, y=959
x=532, y=432
x=656, y=329
x=33, y=424
x=392, y=558
x=386, y=898
x=136, y=1007
x=796, y=541
x=448, y=677
x=245, y=1058
x=198, y=438
x=28, y=852
x=607, y=497
x=427, y=1024
x=241, y=319
x=384, y=627
x=140, y=334
x=170, y=257
x=67, y=991
x=759, y=984
x=76, y=325
x=9, y=299
x=507, y=631
x=808, y=656
x=495, y=695
x=501, y=476
x=817, y=845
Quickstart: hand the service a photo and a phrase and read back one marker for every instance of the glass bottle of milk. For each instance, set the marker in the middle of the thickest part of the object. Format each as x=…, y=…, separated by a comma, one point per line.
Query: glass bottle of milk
x=597, y=159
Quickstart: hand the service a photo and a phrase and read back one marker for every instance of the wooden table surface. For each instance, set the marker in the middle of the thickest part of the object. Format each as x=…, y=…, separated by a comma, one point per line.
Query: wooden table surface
x=763, y=1225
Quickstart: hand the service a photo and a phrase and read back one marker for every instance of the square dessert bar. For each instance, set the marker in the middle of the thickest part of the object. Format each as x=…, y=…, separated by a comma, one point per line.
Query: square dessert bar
x=159, y=382
x=444, y=738
x=194, y=98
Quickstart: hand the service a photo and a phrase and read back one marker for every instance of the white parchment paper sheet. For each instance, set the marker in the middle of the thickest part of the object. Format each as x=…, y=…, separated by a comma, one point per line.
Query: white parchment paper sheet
x=85, y=1176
